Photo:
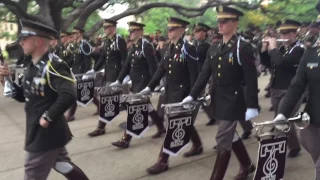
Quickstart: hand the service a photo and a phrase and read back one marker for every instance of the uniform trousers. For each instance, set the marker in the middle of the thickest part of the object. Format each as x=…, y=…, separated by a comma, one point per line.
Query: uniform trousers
x=276, y=97
x=38, y=164
x=226, y=135
x=309, y=140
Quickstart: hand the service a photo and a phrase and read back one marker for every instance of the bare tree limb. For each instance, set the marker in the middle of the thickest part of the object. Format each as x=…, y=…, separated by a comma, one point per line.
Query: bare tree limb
x=75, y=14
x=88, y=11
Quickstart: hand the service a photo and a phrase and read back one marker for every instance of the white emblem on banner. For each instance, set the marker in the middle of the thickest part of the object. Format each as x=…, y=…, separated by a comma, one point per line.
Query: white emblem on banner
x=271, y=165
x=85, y=92
x=110, y=107
x=138, y=117
x=179, y=132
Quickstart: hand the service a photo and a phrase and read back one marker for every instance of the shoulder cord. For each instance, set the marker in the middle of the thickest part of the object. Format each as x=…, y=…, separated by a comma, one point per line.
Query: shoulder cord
x=81, y=47
x=117, y=41
x=184, y=50
x=238, y=51
x=48, y=72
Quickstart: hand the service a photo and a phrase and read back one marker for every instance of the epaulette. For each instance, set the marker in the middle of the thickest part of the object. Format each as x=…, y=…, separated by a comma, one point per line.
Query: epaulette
x=185, y=52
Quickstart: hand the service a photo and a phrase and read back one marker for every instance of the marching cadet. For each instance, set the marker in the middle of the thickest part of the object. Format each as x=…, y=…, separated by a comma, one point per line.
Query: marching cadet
x=140, y=65
x=202, y=47
x=284, y=63
x=308, y=74
x=230, y=63
x=64, y=53
x=48, y=91
x=112, y=58
x=82, y=62
x=179, y=66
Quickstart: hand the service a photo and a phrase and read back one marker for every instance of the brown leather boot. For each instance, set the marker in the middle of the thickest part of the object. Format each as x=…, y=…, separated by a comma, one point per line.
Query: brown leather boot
x=95, y=101
x=159, y=123
x=71, y=113
x=161, y=165
x=124, y=142
x=197, y=145
x=76, y=174
x=100, y=130
x=246, y=166
x=221, y=165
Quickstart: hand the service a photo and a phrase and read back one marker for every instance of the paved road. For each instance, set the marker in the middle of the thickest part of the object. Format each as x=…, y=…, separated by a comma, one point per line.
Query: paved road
x=101, y=161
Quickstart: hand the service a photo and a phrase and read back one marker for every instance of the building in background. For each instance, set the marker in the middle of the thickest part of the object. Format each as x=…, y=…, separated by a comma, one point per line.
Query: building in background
x=8, y=32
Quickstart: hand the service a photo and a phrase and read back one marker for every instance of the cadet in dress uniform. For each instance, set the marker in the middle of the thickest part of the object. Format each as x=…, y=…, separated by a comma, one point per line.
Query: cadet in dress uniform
x=114, y=54
x=284, y=63
x=140, y=65
x=202, y=47
x=82, y=62
x=64, y=53
x=308, y=74
x=230, y=63
x=48, y=91
x=180, y=68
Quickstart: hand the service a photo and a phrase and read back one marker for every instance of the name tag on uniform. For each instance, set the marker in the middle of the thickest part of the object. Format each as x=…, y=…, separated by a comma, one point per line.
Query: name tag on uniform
x=312, y=65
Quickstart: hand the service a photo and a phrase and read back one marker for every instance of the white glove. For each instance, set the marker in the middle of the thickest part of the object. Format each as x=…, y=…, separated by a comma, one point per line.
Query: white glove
x=126, y=80
x=279, y=117
x=186, y=100
x=281, y=127
x=162, y=89
x=86, y=76
x=251, y=113
x=157, y=88
x=90, y=71
x=102, y=71
x=145, y=91
x=114, y=84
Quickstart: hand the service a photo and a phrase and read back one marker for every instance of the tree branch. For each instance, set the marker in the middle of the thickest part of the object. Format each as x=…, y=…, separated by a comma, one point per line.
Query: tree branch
x=17, y=9
x=75, y=14
x=88, y=11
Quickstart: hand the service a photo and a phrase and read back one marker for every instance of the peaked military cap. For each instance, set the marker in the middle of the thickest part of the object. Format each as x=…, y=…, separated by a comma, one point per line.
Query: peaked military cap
x=227, y=12
x=201, y=27
x=109, y=22
x=288, y=24
x=32, y=28
x=135, y=26
x=77, y=30
x=64, y=33
x=174, y=22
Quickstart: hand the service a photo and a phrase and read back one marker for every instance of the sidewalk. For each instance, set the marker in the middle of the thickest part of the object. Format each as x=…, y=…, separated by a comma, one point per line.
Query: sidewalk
x=102, y=161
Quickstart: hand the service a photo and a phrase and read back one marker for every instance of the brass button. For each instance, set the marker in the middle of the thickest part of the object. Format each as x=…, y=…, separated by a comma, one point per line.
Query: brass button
x=211, y=57
x=219, y=66
x=220, y=58
x=131, y=65
x=132, y=54
x=170, y=72
x=181, y=86
x=169, y=65
x=218, y=74
x=170, y=59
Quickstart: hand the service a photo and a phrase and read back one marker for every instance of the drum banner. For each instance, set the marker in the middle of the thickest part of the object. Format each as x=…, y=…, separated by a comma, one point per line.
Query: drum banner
x=85, y=91
x=271, y=159
x=109, y=107
x=178, y=134
x=137, y=120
